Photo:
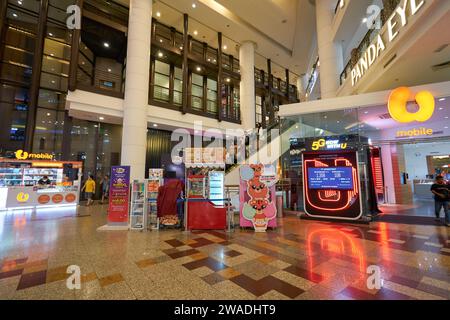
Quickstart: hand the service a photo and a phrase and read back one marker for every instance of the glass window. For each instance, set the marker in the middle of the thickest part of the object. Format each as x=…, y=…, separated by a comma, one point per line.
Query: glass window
x=197, y=92
x=212, y=96
x=48, y=132
x=161, y=85
x=258, y=109
x=178, y=86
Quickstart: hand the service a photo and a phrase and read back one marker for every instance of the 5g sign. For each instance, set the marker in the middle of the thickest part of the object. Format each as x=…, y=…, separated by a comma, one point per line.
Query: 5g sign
x=73, y=20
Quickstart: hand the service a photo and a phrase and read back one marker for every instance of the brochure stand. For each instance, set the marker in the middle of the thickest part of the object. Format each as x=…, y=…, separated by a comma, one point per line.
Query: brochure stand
x=154, y=181
x=138, y=206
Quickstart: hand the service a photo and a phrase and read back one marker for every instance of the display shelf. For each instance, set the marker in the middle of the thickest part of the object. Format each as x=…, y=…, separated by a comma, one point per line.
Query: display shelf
x=154, y=182
x=137, y=212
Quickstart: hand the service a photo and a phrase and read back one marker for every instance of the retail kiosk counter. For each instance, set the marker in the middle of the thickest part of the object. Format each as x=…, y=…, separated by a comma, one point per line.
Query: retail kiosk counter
x=19, y=187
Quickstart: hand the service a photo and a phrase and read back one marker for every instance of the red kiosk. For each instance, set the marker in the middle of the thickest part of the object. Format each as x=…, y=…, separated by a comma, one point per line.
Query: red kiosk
x=205, y=173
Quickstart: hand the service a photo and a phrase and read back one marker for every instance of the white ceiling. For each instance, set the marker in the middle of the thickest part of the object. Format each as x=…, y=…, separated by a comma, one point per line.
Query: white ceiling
x=283, y=30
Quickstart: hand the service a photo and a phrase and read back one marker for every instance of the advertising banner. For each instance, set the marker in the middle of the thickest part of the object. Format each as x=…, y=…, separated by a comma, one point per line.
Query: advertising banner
x=257, y=197
x=119, y=194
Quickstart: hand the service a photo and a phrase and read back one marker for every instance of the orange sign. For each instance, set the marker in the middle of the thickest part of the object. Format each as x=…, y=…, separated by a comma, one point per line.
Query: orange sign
x=57, y=198
x=23, y=197
x=70, y=198
x=44, y=199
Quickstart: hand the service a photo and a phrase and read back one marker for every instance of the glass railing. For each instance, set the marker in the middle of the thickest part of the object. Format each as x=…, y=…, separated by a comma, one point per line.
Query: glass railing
x=371, y=34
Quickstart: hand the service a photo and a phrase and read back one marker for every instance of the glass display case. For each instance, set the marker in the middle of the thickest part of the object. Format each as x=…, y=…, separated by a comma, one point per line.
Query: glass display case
x=154, y=181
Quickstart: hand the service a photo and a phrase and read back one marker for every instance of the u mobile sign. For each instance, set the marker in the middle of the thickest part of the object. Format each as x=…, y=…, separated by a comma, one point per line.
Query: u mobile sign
x=23, y=155
x=398, y=20
x=398, y=109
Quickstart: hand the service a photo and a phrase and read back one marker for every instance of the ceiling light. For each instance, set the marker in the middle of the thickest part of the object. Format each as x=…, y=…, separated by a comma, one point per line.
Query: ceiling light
x=15, y=15
x=225, y=47
x=181, y=48
x=106, y=44
x=441, y=108
x=101, y=118
x=48, y=114
x=445, y=127
x=228, y=79
x=19, y=2
x=195, y=32
x=364, y=20
x=50, y=34
x=199, y=69
x=160, y=40
x=194, y=5
x=109, y=70
x=155, y=125
x=442, y=99
x=160, y=54
x=158, y=14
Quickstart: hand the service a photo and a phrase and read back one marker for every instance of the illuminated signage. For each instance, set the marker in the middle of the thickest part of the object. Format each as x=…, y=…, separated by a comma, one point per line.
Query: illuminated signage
x=331, y=185
x=396, y=21
x=23, y=155
x=397, y=105
x=323, y=144
x=415, y=132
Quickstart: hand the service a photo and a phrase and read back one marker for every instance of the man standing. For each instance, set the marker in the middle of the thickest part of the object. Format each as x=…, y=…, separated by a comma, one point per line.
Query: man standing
x=441, y=193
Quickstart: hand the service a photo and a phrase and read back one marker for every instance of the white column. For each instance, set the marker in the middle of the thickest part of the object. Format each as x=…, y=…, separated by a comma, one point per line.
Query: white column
x=301, y=87
x=247, y=87
x=330, y=53
x=134, y=137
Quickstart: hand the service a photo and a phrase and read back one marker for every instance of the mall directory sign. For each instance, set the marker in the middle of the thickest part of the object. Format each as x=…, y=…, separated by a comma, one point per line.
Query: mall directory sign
x=119, y=194
x=331, y=185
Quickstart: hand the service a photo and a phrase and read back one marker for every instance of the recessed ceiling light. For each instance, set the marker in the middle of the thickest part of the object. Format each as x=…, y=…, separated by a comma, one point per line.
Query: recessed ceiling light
x=158, y=14
x=228, y=79
x=225, y=47
x=364, y=20
x=441, y=108
x=442, y=99
x=50, y=34
x=48, y=114
x=15, y=15
x=195, y=32
x=161, y=40
x=199, y=69
x=101, y=118
x=155, y=125
x=160, y=54
x=19, y=2
x=194, y=5
x=106, y=44
x=181, y=48
x=109, y=70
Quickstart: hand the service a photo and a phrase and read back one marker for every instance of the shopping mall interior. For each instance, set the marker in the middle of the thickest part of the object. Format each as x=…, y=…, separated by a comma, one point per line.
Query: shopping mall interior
x=246, y=150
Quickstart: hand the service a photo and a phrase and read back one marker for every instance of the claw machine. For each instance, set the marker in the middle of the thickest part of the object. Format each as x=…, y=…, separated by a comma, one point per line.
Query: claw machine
x=154, y=181
x=205, y=172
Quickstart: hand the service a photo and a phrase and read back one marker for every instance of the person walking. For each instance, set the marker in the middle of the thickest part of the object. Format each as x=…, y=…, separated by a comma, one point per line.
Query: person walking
x=441, y=193
x=89, y=188
x=105, y=188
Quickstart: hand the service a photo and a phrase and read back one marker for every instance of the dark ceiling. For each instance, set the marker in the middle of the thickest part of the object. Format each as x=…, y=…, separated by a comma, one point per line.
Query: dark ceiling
x=94, y=35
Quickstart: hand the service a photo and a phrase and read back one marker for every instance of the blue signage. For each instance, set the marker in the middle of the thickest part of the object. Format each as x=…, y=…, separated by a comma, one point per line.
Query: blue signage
x=330, y=178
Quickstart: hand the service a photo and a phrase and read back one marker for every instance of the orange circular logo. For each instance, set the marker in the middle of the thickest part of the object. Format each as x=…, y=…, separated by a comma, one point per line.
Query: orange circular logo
x=70, y=198
x=44, y=199
x=57, y=198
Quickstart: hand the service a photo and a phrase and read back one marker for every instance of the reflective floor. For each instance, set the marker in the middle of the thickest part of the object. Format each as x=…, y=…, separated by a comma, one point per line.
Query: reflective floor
x=300, y=260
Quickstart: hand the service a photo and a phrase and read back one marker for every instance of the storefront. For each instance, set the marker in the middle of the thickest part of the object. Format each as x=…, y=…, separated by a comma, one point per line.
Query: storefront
x=381, y=154
x=37, y=181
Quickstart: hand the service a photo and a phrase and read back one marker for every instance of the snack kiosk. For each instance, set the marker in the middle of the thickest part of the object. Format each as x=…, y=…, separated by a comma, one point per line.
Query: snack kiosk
x=19, y=182
x=205, y=173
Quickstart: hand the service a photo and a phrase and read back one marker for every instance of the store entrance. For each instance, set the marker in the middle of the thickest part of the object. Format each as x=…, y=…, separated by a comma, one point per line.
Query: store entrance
x=409, y=170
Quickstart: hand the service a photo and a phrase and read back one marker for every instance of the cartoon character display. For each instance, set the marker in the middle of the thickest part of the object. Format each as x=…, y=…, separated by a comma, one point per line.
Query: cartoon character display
x=256, y=197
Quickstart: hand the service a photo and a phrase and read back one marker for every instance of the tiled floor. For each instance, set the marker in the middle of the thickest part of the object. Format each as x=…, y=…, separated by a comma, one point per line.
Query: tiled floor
x=300, y=260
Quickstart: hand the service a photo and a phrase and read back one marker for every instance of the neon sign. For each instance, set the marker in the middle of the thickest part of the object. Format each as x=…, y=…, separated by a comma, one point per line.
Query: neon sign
x=23, y=155
x=338, y=196
x=323, y=144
